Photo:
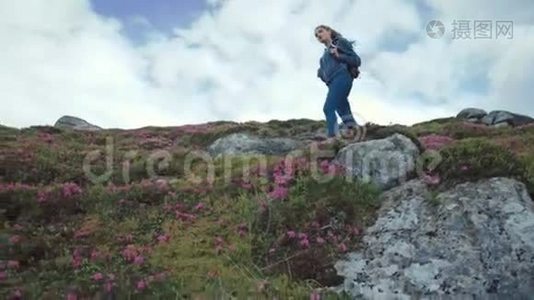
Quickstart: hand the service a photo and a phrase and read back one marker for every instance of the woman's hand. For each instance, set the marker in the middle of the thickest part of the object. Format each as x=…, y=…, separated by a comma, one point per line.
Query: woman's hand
x=334, y=51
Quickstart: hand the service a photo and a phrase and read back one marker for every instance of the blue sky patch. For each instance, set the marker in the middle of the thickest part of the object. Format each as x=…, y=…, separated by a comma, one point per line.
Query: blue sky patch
x=141, y=16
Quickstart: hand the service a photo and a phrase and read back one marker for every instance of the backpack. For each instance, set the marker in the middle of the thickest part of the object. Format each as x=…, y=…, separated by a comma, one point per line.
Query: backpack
x=355, y=70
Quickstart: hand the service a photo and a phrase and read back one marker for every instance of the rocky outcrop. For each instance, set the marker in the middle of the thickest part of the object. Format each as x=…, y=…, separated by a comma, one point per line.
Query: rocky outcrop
x=240, y=143
x=384, y=162
x=473, y=241
x=471, y=114
x=69, y=122
x=497, y=118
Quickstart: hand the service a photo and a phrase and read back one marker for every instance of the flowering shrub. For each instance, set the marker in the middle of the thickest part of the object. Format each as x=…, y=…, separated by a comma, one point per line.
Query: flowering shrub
x=310, y=221
x=473, y=159
x=435, y=142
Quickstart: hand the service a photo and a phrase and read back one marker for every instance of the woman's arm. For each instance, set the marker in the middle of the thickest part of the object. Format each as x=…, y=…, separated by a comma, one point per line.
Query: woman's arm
x=346, y=53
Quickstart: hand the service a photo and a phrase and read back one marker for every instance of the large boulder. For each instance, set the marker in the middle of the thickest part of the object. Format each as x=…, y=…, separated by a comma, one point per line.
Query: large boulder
x=473, y=241
x=75, y=123
x=500, y=116
x=241, y=143
x=384, y=162
x=471, y=114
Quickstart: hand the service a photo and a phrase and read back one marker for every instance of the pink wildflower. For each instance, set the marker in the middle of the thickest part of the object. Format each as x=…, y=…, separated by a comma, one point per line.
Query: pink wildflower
x=185, y=216
x=342, y=248
x=95, y=255
x=199, y=206
x=72, y=296
x=305, y=243
x=46, y=137
x=325, y=167
x=302, y=236
x=431, y=179
x=16, y=295
x=279, y=193
x=282, y=179
x=315, y=224
x=163, y=238
x=76, y=263
x=42, y=196
x=130, y=253
x=320, y=241
x=3, y=275
x=139, y=260
x=70, y=189
x=435, y=142
x=246, y=185
x=315, y=296
x=15, y=239
x=160, y=276
x=97, y=276
x=219, y=240
x=242, y=230
x=332, y=237
x=141, y=285
x=291, y=234
x=13, y=264
x=109, y=286
x=353, y=230
x=162, y=185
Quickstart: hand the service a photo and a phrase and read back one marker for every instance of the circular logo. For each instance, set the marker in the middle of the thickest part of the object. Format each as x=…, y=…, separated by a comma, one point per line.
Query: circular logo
x=435, y=29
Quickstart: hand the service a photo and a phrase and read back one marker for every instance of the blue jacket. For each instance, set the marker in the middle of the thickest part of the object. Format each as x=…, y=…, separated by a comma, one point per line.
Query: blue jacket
x=331, y=65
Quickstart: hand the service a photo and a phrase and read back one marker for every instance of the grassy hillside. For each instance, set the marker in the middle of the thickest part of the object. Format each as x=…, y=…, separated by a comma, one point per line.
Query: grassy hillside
x=155, y=225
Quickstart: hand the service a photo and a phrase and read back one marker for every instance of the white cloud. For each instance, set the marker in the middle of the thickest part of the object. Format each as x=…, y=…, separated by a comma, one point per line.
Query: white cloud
x=248, y=60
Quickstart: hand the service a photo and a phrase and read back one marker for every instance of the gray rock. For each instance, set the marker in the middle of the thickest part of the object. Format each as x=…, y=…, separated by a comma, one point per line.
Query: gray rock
x=496, y=117
x=240, y=143
x=473, y=120
x=520, y=120
x=499, y=116
x=471, y=113
x=75, y=123
x=384, y=162
x=473, y=241
x=501, y=125
x=316, y=135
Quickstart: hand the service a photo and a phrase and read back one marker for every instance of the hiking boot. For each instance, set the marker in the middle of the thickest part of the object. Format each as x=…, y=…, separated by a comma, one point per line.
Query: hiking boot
x=348, y=133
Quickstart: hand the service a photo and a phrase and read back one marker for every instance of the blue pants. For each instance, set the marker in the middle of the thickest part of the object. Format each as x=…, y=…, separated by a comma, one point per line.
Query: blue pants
x=337, y=101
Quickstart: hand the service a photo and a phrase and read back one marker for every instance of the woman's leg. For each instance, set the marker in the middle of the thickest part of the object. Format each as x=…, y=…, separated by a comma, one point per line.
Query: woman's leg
x=346, y=114
x=329, y=110
x=336, y=93
x=344, y=110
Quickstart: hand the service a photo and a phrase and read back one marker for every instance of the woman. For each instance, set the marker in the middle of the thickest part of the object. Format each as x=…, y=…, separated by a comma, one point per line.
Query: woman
x=334, y=72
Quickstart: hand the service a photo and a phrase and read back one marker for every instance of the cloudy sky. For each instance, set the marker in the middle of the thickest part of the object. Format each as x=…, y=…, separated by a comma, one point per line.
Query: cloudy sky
x=133, y=63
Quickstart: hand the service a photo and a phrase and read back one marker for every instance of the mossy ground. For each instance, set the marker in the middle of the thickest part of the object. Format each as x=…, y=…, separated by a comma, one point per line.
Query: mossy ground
x=165, y=229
